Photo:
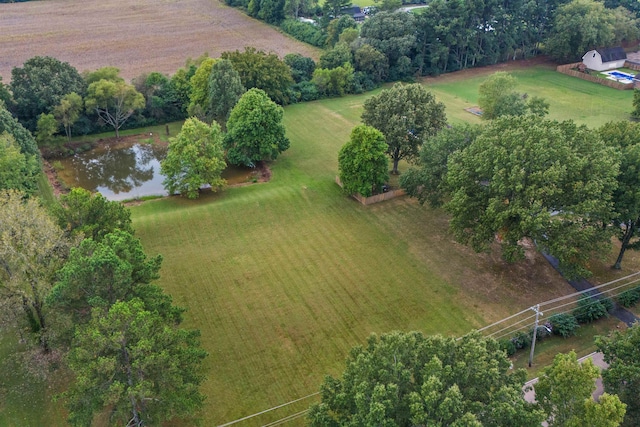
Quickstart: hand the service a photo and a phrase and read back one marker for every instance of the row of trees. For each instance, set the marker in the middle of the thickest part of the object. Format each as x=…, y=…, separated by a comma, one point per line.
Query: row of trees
x=453, y=35
x=75, y=280
x=407, y=379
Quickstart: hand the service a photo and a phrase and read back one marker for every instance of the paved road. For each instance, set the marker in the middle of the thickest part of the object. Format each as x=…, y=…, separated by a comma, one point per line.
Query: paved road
x=598, y=360
x=584, y=285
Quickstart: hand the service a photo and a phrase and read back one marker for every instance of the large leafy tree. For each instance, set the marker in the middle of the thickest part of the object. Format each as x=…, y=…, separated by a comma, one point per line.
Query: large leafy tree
x=564, y=391
x=622, y=352
x=407, y=379
x=195, y=157
x=32, y=248
x=91, y=215
x=98, y=274
x=497, y=97
x=254, y=130
x=363, y=163
x=67, y=112
x=581, y=25
x=199, y=100
x=130, y=360
x=40, y=84
x=405, y=114
x=114, y=101
x=426, y=181
x=261, y=70
x=526, y=177
x=624, y=137
x=225, y=88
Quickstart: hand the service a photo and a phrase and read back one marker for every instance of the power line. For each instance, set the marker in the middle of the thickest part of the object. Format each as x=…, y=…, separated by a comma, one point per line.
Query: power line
x=580, y=294
x=268, y=410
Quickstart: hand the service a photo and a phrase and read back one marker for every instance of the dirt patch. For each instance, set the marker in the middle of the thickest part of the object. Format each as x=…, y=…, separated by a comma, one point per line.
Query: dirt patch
x=137, y=37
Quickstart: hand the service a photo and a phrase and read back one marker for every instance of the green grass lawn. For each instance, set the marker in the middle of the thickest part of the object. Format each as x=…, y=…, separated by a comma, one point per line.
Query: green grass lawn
x=569, y=97
x=283, y=278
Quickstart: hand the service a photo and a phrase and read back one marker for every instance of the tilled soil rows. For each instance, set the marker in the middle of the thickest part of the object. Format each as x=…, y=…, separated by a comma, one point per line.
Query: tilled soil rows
x=136, y=37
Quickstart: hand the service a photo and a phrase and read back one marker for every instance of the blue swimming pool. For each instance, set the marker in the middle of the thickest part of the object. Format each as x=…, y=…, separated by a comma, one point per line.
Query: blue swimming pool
x=620, y=75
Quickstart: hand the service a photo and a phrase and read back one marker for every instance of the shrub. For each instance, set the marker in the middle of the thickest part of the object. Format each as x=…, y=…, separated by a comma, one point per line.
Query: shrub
x=304, y=31
x=629, y=298
x=508, y=346
x=564, y=324
x=521, y=340
x=607, y=303
x=589, y=309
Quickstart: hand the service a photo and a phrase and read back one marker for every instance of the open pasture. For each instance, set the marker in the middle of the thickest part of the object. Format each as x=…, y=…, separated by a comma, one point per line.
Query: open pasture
x=137, y=37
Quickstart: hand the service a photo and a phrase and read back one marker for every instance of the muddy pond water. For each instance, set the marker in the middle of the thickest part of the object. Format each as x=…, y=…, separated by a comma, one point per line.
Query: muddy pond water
x=124, y=171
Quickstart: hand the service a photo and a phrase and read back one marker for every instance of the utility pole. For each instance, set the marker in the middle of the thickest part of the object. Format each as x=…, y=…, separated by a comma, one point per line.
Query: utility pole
x=535, y=332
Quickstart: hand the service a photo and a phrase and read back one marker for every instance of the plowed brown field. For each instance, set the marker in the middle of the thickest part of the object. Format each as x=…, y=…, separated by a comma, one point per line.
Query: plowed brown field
x=135, y=36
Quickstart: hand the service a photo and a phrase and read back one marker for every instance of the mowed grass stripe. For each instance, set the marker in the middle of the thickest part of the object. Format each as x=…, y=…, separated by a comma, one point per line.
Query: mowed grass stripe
x=299, y=292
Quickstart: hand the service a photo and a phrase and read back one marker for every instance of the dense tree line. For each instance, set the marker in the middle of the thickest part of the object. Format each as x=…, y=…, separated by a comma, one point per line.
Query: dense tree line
x=453, y=35
x=75, y=281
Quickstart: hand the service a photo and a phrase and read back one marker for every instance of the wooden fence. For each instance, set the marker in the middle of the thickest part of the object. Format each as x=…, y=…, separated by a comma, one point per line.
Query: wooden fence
x=377, y=198
x=567, y=69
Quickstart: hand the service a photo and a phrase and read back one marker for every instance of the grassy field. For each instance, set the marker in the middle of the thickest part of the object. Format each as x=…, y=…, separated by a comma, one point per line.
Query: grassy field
x=283, y=278
x=569, y=98
x=137, y=37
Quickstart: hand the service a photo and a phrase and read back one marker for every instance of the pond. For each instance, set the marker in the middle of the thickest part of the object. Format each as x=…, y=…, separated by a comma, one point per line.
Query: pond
x=123, y=171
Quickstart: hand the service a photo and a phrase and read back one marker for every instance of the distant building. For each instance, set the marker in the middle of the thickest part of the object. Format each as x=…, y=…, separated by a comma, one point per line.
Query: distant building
x=355, y=12
x=605, y=59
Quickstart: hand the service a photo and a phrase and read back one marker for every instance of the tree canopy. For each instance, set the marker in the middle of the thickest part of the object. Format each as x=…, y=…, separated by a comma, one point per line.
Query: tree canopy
x=526, y=177
x=564, y=391
x=225, y=88
x=407, y=379
x=581, y=25
x=362, y=161
x=26, y=172
x=32, y=249
x=199, y=97
x=113, y=101
x=92, y=215
x=130, y=360
x=426, y=181
x=98, y=274
x=405, y=114
x=624, y=137
x=39, y=85
x=254, y=130
x=195, y=157
x=497, y=97
x=621, y=351
x=260, y=70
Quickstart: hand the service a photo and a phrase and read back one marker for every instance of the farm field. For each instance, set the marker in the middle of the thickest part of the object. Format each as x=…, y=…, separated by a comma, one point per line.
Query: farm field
x=283, y=278
x=137, y=37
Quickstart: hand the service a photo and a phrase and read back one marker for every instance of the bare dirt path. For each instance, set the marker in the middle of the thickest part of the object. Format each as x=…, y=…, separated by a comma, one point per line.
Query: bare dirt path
x=135, y=36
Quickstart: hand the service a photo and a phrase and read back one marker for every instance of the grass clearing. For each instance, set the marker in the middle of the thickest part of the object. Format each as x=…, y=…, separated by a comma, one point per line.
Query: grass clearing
x=569, y=97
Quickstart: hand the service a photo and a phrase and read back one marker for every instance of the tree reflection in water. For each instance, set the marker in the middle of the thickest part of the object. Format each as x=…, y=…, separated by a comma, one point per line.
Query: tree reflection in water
x=119, y=172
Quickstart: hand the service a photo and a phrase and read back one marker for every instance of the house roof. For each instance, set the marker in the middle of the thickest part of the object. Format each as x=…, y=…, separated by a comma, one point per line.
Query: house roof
x=612, y=54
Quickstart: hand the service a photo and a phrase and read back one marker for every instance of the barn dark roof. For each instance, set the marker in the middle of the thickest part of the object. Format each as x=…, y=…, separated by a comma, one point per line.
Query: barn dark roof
x=612, y=54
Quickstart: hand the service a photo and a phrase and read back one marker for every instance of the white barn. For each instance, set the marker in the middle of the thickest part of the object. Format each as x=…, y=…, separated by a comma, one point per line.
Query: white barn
x=605, y=59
